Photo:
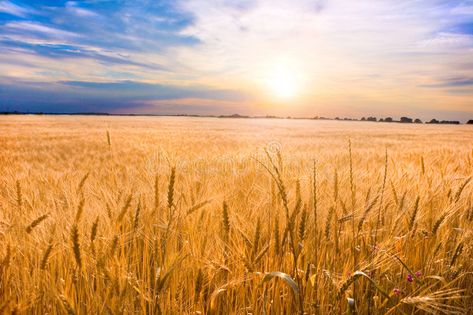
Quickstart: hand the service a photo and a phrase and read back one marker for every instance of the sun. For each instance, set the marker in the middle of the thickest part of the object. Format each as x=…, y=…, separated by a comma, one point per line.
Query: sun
x=283, y=83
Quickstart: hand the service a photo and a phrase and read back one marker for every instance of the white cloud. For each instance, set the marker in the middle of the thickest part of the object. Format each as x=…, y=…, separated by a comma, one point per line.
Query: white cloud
x=71, y=7
x=383, y=48
x=464, y=9
x=447, y=40
x=32, y=27
x=13, y=9
x=316, y=30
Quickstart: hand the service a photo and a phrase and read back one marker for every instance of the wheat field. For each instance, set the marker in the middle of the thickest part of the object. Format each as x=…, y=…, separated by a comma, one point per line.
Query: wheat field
x=174, y=215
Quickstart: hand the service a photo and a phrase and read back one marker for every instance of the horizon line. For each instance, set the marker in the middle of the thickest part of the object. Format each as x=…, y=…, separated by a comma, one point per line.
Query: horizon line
x=407, y=120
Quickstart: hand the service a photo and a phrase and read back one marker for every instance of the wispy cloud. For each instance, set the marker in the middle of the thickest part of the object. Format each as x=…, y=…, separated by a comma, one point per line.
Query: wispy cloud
x=465, y=8
x=60, y=51
x=444, y=41
x=13, y=9
x=453, y=82
x=38, y=29
x=74, y=8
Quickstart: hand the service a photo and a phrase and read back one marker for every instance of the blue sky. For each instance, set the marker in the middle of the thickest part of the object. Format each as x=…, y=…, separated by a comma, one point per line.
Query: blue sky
x=307, y=57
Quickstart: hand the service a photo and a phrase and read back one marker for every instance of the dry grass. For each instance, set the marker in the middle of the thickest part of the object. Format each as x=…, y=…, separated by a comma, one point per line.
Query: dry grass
x=112, y=215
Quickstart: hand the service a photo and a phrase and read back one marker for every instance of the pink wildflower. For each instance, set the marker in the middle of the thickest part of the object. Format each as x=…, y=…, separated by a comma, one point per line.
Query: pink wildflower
x=410, y=278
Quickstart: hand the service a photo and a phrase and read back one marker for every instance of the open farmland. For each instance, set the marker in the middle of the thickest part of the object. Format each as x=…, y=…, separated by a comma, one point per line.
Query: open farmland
x=172, y=215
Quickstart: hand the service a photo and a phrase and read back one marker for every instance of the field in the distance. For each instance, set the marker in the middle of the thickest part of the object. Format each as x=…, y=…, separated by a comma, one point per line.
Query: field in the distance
x=119, y=215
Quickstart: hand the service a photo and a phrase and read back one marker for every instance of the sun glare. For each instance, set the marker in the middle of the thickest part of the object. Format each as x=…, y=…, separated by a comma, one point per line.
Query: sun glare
x=283, y=83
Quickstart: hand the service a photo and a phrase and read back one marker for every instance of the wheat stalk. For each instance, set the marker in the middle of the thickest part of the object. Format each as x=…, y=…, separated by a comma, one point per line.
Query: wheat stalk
x=36, y=222
x=76, y=245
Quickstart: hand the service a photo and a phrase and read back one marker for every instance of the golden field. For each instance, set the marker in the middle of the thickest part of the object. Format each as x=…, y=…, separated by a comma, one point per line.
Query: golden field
x=172, y=215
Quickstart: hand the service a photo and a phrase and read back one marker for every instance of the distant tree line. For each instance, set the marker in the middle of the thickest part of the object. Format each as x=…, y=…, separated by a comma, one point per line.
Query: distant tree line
x=408, y=120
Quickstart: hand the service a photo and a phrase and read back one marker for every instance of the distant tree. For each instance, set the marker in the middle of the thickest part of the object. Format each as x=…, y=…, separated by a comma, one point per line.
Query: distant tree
x=363, y=118
x=233, y=116
x=470, y=122
x=381, y=120
x=388, y=119
x=450, y=122
x=418, y=121
x=406, y=120
x=434, y=121
x=371, y=119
